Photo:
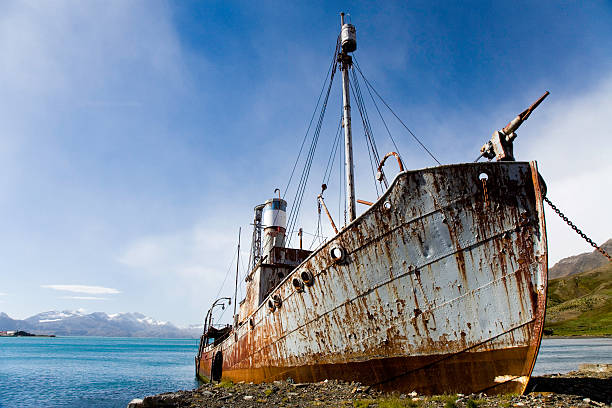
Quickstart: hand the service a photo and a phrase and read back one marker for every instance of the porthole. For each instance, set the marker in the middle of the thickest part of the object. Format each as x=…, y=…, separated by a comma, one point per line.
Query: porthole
x=271, y=306
x=298, y=285
x=307, y=278
x=387, y=205
x=278, y=302
x=337, y=254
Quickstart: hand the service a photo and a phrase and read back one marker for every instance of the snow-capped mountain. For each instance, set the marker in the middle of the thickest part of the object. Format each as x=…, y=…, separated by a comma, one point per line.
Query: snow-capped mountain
x=79, y=323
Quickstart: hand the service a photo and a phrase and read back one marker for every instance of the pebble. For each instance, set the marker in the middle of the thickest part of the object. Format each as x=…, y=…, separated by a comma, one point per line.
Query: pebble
x=551, y=391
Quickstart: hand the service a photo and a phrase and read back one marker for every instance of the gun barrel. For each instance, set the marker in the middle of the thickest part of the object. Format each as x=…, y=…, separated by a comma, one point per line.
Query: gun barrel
x=518, y=121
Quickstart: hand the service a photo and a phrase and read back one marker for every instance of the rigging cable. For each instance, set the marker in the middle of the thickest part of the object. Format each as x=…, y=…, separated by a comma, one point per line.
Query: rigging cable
x=363, y=112
x=383, y=121
x=332, y=155
x=297, y=159
x=299, y=194
x=318, y=225
x=367, y=128
x=229, y=268
x=394, y=114
x=226, y=275
x=326, y=176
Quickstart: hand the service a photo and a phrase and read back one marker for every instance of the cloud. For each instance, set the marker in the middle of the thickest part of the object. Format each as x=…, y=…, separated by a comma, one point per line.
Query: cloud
x=194, y=264
x=199, y=251
x=2, y=294
x=83, y=298
x=93, y=290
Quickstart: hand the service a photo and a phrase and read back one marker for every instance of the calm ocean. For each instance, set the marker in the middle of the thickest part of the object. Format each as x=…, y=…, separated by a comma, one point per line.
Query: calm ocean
x=109, y=372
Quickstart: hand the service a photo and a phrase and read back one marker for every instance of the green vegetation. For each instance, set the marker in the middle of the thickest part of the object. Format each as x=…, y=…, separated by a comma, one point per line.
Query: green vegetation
x=471, y=404
x=386, y=403
x=581, y=304
x=225, y=384
x=450, y=401
x=202, y=379
x=446, y=398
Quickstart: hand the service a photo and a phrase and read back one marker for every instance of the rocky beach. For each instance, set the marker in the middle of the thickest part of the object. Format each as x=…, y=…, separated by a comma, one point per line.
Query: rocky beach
x=591, y=386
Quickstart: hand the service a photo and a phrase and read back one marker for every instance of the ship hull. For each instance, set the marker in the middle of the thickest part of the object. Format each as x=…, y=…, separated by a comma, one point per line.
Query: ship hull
x=441, y=287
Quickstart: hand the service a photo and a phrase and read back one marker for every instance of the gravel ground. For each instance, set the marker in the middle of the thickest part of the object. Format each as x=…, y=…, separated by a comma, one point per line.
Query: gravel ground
x=575, y=389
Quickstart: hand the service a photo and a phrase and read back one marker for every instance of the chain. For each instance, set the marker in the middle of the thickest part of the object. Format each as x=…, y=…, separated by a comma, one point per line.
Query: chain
x=575, y=228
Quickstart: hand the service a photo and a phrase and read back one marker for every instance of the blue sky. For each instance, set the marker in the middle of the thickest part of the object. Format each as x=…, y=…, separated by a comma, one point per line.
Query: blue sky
x=136, y=137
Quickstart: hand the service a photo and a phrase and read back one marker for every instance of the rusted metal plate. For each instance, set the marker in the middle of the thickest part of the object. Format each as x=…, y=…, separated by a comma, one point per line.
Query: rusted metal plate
x=440, y=287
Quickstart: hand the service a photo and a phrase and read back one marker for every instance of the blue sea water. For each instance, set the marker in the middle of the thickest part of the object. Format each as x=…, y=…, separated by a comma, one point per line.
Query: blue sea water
x=91, y=371
x=564, y=355
x=110, y=372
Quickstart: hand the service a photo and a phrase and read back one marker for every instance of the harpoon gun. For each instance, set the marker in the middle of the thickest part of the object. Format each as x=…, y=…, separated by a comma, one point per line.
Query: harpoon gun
x=500, y=145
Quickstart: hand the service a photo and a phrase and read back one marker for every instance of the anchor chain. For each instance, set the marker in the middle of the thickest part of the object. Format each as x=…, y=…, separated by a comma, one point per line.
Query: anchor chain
x=575, y=228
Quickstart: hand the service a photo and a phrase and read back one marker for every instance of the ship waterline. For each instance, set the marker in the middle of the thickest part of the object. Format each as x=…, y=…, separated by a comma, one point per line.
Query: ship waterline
x=440, y=286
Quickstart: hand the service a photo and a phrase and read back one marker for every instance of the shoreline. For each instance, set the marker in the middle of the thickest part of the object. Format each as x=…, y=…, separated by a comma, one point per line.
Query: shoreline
x=580, y=336
x=590, y=386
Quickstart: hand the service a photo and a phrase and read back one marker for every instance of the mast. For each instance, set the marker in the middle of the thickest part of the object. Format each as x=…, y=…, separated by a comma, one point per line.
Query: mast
x=348, y=44
x=236, y=287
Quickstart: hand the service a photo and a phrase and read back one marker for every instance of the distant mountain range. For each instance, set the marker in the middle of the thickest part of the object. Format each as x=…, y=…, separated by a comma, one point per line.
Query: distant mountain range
x=580, y=263
x=580, y=298
x=76, y=323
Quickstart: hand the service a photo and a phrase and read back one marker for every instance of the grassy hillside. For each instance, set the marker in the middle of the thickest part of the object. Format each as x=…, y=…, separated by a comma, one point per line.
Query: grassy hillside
x=581, y=304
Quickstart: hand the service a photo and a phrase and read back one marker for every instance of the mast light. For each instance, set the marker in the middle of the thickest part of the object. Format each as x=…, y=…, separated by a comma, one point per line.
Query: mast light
x=348, y=38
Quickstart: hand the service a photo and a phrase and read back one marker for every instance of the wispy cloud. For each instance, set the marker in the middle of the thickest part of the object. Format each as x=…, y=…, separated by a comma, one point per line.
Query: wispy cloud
x=197, y=251
x=2, y=294
x=92, y=290
x=84, y=298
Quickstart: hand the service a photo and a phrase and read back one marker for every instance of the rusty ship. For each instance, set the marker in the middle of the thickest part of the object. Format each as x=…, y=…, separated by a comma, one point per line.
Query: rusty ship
x=439, y=286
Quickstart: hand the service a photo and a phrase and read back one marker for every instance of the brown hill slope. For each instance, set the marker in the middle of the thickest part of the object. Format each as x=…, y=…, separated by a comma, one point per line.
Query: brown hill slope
x=580, y=263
